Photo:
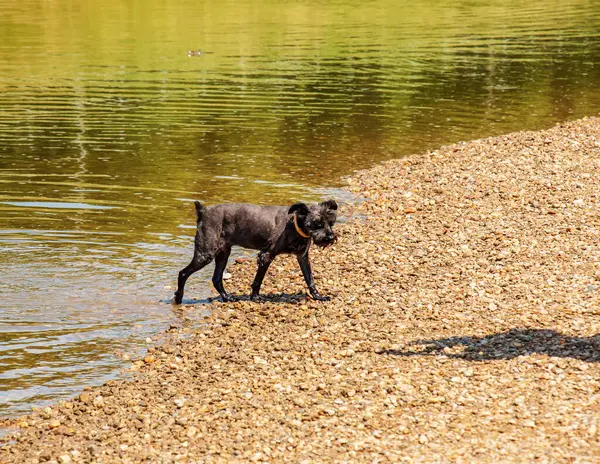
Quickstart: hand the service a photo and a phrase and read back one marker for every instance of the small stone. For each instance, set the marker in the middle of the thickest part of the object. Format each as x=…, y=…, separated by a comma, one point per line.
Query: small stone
x=149, y=359
x=179, y=402
x=64, y=459
x=54, y=424
x=347, y=353
x=299, y=402
x=169, y=349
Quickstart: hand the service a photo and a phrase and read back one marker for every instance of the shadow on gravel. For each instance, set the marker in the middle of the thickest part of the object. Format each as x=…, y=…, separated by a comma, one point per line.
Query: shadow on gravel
x=269, y=297
x=276, y=297
x=507, y=345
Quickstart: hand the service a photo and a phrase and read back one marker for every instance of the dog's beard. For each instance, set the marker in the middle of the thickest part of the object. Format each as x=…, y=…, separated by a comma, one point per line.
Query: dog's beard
x=322, y=242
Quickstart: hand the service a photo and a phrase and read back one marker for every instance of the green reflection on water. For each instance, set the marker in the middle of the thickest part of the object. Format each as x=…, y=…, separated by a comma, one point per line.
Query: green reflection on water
x=291, y=94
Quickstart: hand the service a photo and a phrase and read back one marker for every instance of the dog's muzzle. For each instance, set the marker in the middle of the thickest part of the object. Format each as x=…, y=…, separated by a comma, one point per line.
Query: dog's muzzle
x=326, y=241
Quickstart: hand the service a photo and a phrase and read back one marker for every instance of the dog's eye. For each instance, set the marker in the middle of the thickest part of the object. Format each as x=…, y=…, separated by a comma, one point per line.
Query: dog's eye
x=319, y=225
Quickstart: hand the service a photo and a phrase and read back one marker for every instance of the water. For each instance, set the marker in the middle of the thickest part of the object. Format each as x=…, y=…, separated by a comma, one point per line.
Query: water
x=115, y=115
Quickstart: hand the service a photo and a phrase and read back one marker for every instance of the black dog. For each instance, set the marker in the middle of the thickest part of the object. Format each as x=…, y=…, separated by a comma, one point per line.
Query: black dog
x=271, y=229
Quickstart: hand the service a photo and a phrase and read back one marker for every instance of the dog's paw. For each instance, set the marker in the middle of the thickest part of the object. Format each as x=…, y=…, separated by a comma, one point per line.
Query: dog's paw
x=321, y=298
x=256, y=298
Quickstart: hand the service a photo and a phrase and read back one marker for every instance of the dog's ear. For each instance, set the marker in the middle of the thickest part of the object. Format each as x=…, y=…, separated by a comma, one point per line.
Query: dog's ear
x=299, y=208
x=330, y=204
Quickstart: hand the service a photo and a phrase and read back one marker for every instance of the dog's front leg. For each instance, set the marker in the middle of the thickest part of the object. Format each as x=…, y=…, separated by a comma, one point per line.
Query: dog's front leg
x=264, y=261
x=308, y=277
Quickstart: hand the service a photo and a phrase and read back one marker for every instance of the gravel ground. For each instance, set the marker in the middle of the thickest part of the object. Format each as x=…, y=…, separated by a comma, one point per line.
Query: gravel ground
x=463, y=328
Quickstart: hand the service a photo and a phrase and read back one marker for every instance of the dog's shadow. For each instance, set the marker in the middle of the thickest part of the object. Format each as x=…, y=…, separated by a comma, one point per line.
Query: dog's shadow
x=507, y=345
x=266, y=298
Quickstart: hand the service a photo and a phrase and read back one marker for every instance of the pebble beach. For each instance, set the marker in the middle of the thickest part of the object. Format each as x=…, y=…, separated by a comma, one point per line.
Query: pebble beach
x=464, y=326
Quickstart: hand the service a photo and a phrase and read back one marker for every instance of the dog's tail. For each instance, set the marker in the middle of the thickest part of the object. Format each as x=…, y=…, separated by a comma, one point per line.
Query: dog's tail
x=199, y=211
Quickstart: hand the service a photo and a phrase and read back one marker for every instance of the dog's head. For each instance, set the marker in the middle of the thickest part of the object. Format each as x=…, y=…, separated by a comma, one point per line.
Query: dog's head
x=317, y=221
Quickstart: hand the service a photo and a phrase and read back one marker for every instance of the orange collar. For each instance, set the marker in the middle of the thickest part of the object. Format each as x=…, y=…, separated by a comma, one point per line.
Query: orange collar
x=298, y=229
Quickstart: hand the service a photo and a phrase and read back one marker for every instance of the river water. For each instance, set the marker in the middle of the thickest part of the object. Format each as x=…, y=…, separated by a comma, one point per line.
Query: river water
x=114, y=115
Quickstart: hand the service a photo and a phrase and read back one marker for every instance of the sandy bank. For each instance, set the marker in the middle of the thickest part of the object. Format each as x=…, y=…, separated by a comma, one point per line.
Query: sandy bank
x=463, y=328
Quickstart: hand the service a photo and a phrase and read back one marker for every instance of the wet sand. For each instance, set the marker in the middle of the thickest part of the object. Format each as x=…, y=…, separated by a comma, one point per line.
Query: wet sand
x=463, y=328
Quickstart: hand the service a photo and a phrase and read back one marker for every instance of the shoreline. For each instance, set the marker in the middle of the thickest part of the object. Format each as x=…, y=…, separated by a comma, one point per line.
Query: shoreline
x=462, y=328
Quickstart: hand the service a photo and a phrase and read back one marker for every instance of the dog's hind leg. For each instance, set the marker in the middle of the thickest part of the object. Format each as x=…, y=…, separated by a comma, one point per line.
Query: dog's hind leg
x=217, y=279
x=198, y=262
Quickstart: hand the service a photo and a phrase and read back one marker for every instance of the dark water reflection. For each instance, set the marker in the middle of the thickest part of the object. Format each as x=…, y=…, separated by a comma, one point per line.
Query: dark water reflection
x=108, y=129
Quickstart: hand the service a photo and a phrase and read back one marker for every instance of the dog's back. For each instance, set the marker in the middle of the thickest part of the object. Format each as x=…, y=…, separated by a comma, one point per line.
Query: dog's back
x=249, y=226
